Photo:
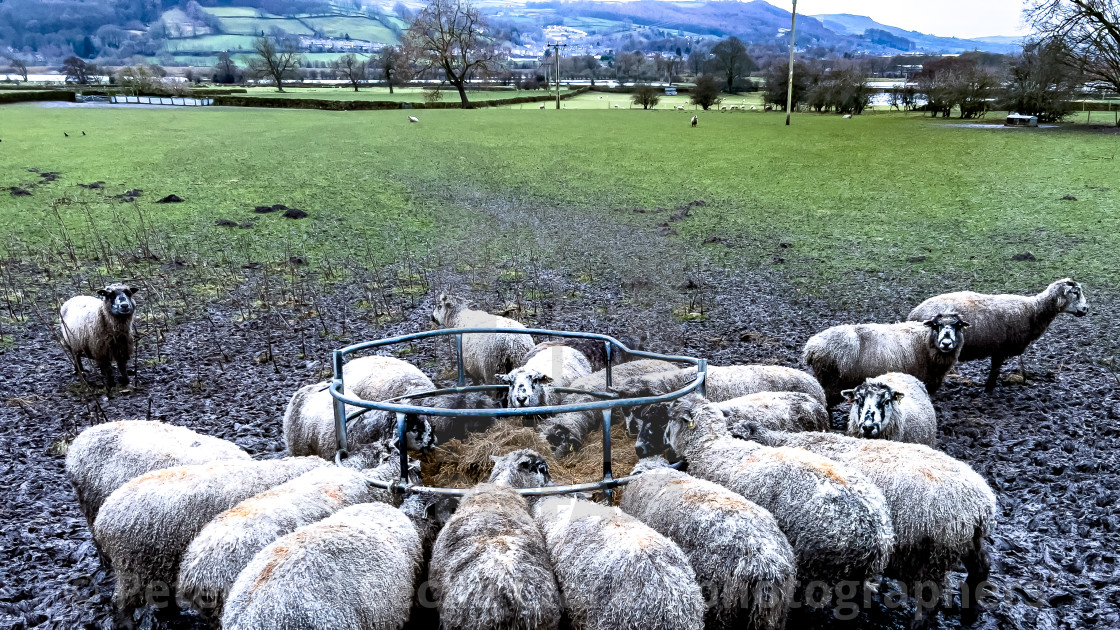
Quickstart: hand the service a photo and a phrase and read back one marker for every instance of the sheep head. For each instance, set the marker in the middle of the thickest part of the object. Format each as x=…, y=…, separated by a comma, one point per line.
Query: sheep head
x=1071, y=297
x=118, y=298
x=526, y=387
x=691, y=417
x=946, y=332
x=523, y=468
x=447, y=305
x=874, y=406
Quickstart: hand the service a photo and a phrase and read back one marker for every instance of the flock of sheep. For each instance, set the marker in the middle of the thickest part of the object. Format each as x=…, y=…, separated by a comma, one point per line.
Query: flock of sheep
x=769, y=503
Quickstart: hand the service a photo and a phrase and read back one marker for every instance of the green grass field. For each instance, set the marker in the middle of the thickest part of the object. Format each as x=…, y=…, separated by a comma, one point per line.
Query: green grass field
x=851, y=198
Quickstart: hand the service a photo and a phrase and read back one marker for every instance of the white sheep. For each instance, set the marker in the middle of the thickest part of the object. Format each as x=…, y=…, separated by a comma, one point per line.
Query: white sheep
x=834, y=518
x=724, y=382
x=1003, y=326
x=106, y=456
x=145, y=525
x=413, y=119
x=893, y=406
x=940, y=509
x=784, y=411
x=546, y=366
x=616, y=572
x=228, y=543
x=355, y=570
x=100, y=329
x=490, y=566
x=743, y=562
x=485, y=355
x=843, y=356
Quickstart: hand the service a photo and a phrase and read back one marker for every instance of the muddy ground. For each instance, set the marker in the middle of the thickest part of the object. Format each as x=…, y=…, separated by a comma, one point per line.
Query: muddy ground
x=1048, y=447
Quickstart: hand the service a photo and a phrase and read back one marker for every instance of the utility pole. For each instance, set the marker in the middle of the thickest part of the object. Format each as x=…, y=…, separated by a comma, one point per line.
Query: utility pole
x=557, y=47
x=789, y=86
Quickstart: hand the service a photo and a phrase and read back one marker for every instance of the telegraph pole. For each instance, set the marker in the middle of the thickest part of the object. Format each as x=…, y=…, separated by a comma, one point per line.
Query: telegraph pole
x=557, y=46
x=789, y=86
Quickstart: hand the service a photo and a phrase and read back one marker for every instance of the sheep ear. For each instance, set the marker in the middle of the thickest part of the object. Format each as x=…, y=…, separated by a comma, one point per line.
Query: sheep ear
x=849, y=395
x=525, y=463
x=543, y=378
x=898, y=396
x=505, y=378
x=931, y=323
x=103, y=293
x=130, y=290
x=964, y=324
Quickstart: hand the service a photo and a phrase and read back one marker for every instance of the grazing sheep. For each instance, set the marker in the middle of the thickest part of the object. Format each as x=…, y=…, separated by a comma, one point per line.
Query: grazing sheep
x=106, y=456
x=226, y=545
x=485, y=355
x=413, y=119
x=940, y=508
x=490, y=567
x=783, y=411
x=1003, y=326
x=145, y=525
x=893, y=406
x=355, y=570
x=694, y=119
x=743, y=562
x=616, y=572
x=835, y=519
x=545, y=367
x=843, y=356
x=566, y=432
x=100, y=330
x=542, y=106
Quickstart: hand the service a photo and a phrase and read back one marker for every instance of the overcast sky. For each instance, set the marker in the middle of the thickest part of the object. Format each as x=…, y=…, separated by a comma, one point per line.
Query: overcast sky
x=955, y=18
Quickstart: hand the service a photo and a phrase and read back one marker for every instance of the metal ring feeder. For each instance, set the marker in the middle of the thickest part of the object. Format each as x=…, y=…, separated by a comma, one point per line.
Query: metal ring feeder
x=609, y=402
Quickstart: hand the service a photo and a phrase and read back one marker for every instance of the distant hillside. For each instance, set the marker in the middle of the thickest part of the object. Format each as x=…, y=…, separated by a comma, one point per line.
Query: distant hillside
x=848, y=24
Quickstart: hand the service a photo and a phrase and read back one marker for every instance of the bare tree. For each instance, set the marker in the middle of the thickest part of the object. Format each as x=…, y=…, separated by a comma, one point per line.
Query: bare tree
x=1089, y=32
x=706, y=92
x=1040, y=83
x=275, y=58
x=731, y=59
x=646, y=96
x=77, y=70
x=451, y=35
x=19, y=66
x=394, y=65
x=351, y=68
x=226, y=70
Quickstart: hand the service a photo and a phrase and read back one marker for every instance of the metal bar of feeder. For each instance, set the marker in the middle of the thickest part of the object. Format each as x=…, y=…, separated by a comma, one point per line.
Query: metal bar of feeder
x=462, y=380
x=339, y=407
x=607, y=474
x=402, y=446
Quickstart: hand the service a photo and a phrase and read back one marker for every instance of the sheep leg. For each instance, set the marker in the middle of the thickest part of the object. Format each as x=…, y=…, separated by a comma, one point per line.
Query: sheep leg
x=993, y=374
x=106, y=366
x=977, y=564
x=122, y=365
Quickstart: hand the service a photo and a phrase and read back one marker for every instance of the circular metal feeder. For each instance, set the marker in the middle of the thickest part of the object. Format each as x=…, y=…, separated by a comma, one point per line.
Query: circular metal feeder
x=608, y=402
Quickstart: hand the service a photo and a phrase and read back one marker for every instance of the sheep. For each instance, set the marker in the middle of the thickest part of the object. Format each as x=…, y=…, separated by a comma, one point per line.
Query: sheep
x=484, y=354
x=228, y=543
x=355, y=570
x=545, y=367
x=694, y=120
x=595, y=350
x=490, y=567
x=893, y=406
x=616, y=572
x=542, y=106
x=100, y=330
x=835, y=519
x=742, y=560
x=566, y=432
x=940, y=508
x=413, y=119
x=1003, y=326
x=106, y=456
x=843, y=356
x=724, y=382
x=145, y=525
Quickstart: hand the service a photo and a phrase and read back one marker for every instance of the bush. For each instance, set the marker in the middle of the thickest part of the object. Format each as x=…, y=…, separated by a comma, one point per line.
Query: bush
x=646, y=95
x=1040, y=84
x=706, y=92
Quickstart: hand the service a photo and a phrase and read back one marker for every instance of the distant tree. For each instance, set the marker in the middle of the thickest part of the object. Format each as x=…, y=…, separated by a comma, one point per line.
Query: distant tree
x=226, y=70
x=843, y=90
x=350, y=68
x=394, y=65
x=85, y=49
x=19, y=66
x=730, y=58
x=956, y=82
x=1088, y=32
x=138, y=79
x=646, y=95
x=698, y=61
x=706, y=92
x=277, y=60
x=451, y=35
x=433, y=95
x=1040, y=83
x=776, y=78
x=77, y=70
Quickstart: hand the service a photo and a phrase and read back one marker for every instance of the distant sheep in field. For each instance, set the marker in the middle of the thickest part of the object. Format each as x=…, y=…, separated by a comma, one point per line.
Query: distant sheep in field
x=1003, y=326
x=413, y=119
x=694, y=119
x=843, y=356
x=106, y=456
x=484, y=354
x=616, y=572
x=941, y=510
x=546, y=366
x=542, y=106
x=355, y=570
x=743, y=562
x=566, y=432
x=893, y=406
x=835, y=519
x=145, y=525
x=490, y=566
x=100, y=329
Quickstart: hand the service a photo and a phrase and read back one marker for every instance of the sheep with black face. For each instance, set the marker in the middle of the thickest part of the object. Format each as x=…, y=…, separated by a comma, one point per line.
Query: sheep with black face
x=843, y=356
x=1003, y=326
x=548, y=365
x=100, y=329
x=893, y=406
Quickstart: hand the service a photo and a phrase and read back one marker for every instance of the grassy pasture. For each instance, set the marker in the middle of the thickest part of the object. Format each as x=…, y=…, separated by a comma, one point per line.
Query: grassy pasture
x=824, y=200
